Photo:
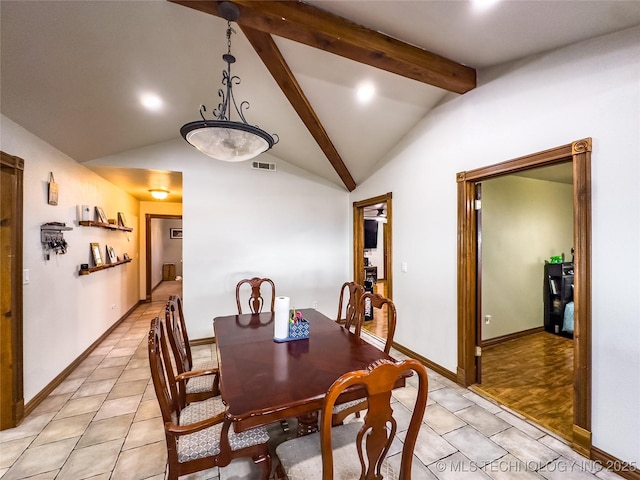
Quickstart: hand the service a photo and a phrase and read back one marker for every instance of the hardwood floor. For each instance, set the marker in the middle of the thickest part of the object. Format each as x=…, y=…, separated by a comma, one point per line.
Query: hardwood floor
x=378, y=326
x=533, y=375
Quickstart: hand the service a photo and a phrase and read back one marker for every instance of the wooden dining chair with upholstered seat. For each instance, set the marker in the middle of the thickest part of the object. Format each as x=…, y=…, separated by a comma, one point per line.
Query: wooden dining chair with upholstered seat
x=198, y=436
x=357, y=449
x=256, y=300
x=354, y=292
x=387, y=311
x=201, y=379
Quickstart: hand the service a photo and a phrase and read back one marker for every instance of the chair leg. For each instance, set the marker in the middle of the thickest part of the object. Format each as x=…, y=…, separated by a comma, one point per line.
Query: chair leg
x=280, y=473
x=264, y=461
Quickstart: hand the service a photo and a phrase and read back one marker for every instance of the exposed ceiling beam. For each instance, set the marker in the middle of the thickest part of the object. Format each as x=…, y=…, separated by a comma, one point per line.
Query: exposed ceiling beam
x=317, y=28
x=277, y=66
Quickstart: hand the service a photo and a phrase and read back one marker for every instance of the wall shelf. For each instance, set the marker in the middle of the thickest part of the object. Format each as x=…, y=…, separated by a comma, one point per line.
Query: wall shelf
x=109, y=226
x=102, y=267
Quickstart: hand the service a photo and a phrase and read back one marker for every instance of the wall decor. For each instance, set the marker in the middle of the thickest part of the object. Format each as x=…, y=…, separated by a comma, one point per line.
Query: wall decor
x=97, y=255
x=122, y=222
x=100, y=216
x=53, y=190
x=86, y=213
x=175, y=233
x=111, y=254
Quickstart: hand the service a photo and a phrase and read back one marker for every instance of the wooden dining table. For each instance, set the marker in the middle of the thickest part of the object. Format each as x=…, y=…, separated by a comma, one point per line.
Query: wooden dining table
x=264, y=381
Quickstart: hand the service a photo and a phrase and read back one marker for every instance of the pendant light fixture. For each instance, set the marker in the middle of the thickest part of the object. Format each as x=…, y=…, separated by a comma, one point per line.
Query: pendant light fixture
x=223, y=138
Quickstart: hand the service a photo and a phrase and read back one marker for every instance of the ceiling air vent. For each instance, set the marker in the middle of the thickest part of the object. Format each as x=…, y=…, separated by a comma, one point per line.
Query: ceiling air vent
x=264, y=166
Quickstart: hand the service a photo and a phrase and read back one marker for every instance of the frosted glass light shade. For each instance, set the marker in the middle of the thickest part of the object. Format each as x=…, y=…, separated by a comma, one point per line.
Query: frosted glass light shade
x=226, y=140
x=159, y=194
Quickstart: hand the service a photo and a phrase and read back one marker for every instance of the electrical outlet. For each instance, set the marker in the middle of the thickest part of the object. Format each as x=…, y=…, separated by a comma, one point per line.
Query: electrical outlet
x=113, y=306
x=315, y=304
x=25, y=276
x=487, y=319
x=403, y=267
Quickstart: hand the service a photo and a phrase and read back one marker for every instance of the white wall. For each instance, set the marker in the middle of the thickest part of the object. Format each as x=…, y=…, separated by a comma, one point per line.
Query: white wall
x=589, y=89
x=524, y=222
x=240, y=223
x=64, y=313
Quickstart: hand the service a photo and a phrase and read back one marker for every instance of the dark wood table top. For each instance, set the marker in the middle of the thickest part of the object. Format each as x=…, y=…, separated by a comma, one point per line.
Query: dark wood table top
x=263, y=381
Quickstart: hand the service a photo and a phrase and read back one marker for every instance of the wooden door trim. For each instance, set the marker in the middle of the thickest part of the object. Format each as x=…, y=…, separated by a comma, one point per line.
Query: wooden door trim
x=578, y=152
x=358, y=240
x=12, y=399
x=147, y=246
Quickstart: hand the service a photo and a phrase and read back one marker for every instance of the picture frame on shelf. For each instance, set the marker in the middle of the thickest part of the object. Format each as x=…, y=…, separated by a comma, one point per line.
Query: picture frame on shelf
x=111, y=254
x=125, y=256
x=97, y=255
x=100, y=216
x=122, y=222
x=175, y=233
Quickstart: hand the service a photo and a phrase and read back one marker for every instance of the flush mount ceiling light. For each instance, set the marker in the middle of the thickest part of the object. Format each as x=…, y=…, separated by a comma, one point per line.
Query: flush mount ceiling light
x=223, y=138
x=158, y=193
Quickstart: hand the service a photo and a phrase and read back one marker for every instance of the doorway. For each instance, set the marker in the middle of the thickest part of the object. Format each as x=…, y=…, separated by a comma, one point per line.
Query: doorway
x=523, y=220
x=11, y=214
x=174, y=235
x=372, y=237
x=469, y=359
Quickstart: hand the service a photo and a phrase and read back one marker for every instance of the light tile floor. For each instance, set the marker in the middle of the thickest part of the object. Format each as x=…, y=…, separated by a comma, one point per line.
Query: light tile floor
x=103, y=422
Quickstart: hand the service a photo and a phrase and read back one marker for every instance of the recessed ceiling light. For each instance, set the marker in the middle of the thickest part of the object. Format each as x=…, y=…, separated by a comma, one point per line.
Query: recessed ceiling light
x=483, y=4
x=365, y=92
x=151, y=101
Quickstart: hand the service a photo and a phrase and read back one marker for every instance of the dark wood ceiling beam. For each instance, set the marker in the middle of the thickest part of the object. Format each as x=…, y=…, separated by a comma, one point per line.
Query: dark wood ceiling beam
x=277, y=66
x=317, y=28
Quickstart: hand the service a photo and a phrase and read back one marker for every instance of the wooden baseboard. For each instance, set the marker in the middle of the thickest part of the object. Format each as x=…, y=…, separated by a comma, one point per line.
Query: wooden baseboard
x=428, y=363
x=628, y=470
x=202, y=341
x=512, y=336
x=46, y=391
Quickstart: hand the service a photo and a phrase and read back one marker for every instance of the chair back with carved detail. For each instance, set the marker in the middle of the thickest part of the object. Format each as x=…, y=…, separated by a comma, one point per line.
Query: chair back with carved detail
x=384, y=309
x=359, y=449
x=202, y=379
x=198, y=435
x=353, y=291
x=256, y=301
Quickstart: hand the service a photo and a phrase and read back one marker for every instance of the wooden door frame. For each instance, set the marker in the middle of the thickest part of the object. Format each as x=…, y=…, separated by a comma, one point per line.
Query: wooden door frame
x=358, y=240
x=579, y=152
x=11, y=371
x=147, y=246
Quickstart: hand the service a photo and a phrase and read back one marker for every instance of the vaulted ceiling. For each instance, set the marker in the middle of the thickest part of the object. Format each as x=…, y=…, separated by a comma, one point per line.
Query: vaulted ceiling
x=72, y=71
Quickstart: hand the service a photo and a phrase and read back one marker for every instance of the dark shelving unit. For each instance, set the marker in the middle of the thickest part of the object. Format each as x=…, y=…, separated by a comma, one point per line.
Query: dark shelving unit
x=557, y=292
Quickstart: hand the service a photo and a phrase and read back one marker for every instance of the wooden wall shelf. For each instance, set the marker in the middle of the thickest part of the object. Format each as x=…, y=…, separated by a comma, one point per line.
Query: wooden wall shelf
x=102, y=267
x=110, y=226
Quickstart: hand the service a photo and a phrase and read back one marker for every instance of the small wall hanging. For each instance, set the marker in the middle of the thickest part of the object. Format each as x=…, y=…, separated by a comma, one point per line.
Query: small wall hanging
x=52, y=238
x=53, y=190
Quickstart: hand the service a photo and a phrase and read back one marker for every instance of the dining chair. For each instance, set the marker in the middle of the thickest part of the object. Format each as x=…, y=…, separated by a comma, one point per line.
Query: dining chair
x=198, y=435
x=256, y=300
x=202, y=379
x=387, y=312
x=358, y=449
x=354, y=292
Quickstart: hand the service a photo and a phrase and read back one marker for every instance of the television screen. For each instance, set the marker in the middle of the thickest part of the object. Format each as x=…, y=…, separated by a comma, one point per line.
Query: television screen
x=370, y=233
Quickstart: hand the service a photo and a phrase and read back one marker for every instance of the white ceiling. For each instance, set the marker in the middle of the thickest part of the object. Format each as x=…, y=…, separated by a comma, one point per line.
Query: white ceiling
x=71, y=72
